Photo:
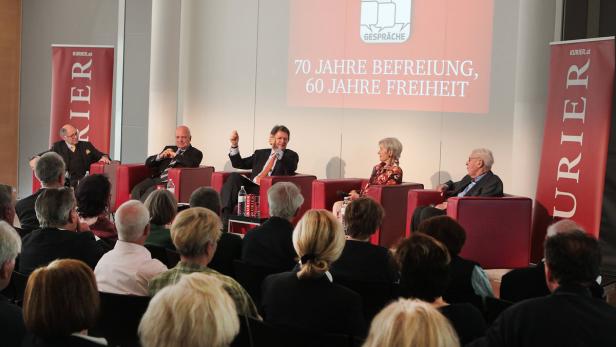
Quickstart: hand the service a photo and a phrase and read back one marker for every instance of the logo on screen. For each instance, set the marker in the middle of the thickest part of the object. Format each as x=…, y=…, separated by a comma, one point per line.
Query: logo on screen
x=385, y=21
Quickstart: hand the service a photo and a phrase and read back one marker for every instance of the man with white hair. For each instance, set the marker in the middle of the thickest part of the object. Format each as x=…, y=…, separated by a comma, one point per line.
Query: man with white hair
x=270, y=244
x=479, y=181
x=12, y=328
x=128, y=267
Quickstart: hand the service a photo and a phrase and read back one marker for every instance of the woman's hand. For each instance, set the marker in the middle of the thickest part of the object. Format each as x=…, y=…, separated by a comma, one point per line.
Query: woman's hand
x=353, y=194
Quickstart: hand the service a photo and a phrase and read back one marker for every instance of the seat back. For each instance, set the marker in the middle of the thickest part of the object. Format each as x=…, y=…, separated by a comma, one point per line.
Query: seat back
x=251, y=277
x=119, y=318
x=159, y=253
x=325, y=192
x=188, y=179
x=16, y=288
x=375, y=295
x=493, y=307
x=173, y=258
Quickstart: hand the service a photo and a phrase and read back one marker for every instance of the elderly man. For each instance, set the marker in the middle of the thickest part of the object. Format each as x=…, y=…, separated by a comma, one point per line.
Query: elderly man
x=277, y=160
x=129, y=267
x=60, y=235
x=77, y=155
x=270, y=244
x=569, y=316
x=180, y=155
x=479, y=181
x=49, y=170
x=12, y=328
x=195, y=234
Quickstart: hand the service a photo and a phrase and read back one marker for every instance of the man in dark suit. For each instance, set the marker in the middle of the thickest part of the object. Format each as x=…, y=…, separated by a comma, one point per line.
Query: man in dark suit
x=180, y=155
x=270, y=245
x=569, y=316
x=49, y=170
x=479, y=181
x=12, y=329
x=61, y=235
x=77, y=155
x=275, y=161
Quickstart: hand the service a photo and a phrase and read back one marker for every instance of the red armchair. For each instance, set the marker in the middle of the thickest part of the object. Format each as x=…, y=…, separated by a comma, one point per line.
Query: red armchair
x=391, y=197
x=497, y=229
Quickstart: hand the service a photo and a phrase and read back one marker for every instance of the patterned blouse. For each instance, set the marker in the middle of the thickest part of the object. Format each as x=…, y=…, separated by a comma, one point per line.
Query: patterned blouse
x=384, y=174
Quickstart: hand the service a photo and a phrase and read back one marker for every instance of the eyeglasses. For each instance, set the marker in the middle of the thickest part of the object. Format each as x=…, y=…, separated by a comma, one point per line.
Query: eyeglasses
x=75, y=134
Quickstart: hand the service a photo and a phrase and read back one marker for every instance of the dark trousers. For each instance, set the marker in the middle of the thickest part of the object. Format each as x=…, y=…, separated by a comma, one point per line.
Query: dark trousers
x=144, y=188
x=422, y=213
x=231, y=188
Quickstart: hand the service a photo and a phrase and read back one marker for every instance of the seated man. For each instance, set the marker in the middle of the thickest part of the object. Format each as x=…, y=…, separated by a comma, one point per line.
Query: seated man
x=180, y=155
x=49, y=170
x=7, y=206
x=270, y=244
x=277, y=161
x=60, y=235
x=12, y=328
x=569, y=316
x=129, y=266
x=77, y=155
x=480, y=181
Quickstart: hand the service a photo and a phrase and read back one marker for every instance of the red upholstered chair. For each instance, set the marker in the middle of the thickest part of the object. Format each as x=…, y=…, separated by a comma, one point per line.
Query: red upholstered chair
x=391, y=197
x=497, y=229
x=187, y=180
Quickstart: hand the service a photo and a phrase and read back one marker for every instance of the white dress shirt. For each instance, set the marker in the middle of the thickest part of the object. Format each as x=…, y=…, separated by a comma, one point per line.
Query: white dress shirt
x=127, y=269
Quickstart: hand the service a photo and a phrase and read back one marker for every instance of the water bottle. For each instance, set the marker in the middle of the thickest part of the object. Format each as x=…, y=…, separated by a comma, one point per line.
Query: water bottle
x=345, y=203
x=241, y=202
x=171, y=186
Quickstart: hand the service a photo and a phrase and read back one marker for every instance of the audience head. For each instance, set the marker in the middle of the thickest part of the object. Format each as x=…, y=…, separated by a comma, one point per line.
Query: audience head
x=196, y=311
x=284, y=199
x=392, y=147
x=572, y=257
x=195, y=232
x=411, y=323
x=362, y=217
x=162, y=206
x=55, y=208
x=69, y=134
x=182, y=137
x=93, y=194
x=132, y=221
x=10, y=246
x=318, y=240
x=479, y=162
x=60, y=299
x=206, y=197
x=562, y=226
x=424, y=267
x=50, y=169
x=7, y=204
x=445, y=229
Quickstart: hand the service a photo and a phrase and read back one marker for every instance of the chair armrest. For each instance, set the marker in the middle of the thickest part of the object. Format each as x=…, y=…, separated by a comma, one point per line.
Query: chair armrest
x=188, y=179
x=220, y=177
x=127, y=176
x=324, y=191
x=303, y=182
x=422, y=197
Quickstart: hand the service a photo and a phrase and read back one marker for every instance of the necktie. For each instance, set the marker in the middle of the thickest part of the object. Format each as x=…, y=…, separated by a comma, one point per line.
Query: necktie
x=165, y=173
x=267, y=168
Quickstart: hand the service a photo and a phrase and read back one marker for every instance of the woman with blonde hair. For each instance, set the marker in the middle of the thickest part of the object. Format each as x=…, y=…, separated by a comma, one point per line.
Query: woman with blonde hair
x=411, y=323
x=197, y=311
x=307, y=298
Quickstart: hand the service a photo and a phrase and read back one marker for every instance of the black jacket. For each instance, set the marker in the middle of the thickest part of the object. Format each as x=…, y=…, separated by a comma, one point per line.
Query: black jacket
x=363, y=261
x=269, y=245
x=78, y=162
x=12, y=329
x=283, y=167
x=489, y=185
x=26, y=213
x=190, y=158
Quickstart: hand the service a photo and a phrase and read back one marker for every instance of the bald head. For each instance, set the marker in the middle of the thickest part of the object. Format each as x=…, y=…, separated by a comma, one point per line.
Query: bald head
x=132, y=219
x=563, y=226
x=182, y=136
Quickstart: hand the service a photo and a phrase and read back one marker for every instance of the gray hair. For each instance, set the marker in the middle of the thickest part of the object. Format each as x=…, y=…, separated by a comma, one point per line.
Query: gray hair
x=205, y=197
x=10, y=243
x=284, y=198
x=131, y=219
x=485, y=155
x=53, y=207
x=562, y=226
x=393, y=146
x=49, y=167
x=6, y=200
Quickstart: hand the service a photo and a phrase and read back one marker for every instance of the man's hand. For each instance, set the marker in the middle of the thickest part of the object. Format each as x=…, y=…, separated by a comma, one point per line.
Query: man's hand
x=167, y=153
x=442, y=187
x=234, y=138
x=33, y=162
x=441, y=206
x=105, y=160
x=354, y=195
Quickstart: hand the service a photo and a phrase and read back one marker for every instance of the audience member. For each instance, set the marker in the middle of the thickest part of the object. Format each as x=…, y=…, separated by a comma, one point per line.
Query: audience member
x=522, y=284
x=270, y=245
x=93, y=195
x=162, y=206
x=229, y=245
x=411, y=323
x=12, y=329
x=425, y=273
x=60, y=235
x=307, y=298
x=469, y=282
x=129, y=266
x=361, y=260
x=569, y=316
x=195, y=233
x=49, y=170
x=60, y=304
x=197, y=311
x=7, y=207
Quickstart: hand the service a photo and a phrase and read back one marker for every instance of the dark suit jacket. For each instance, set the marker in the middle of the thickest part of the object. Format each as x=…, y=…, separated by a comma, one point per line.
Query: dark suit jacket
x=283, y=167
x=229, y=249
x=569, y=317
x=12, y=329
x=26, y=213
x=66, y=341
x=269, y=245
x=190, y=158
x=489, y=185
x=77, y=163
x=363, y=261
x=42, y=246
x=312, y=304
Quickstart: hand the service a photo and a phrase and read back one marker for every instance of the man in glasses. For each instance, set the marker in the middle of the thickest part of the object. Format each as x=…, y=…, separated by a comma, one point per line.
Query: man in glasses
x=77, y=155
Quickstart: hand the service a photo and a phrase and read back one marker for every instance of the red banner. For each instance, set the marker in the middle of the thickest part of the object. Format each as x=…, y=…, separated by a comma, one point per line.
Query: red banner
x=576, y=136
x=81, y=92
